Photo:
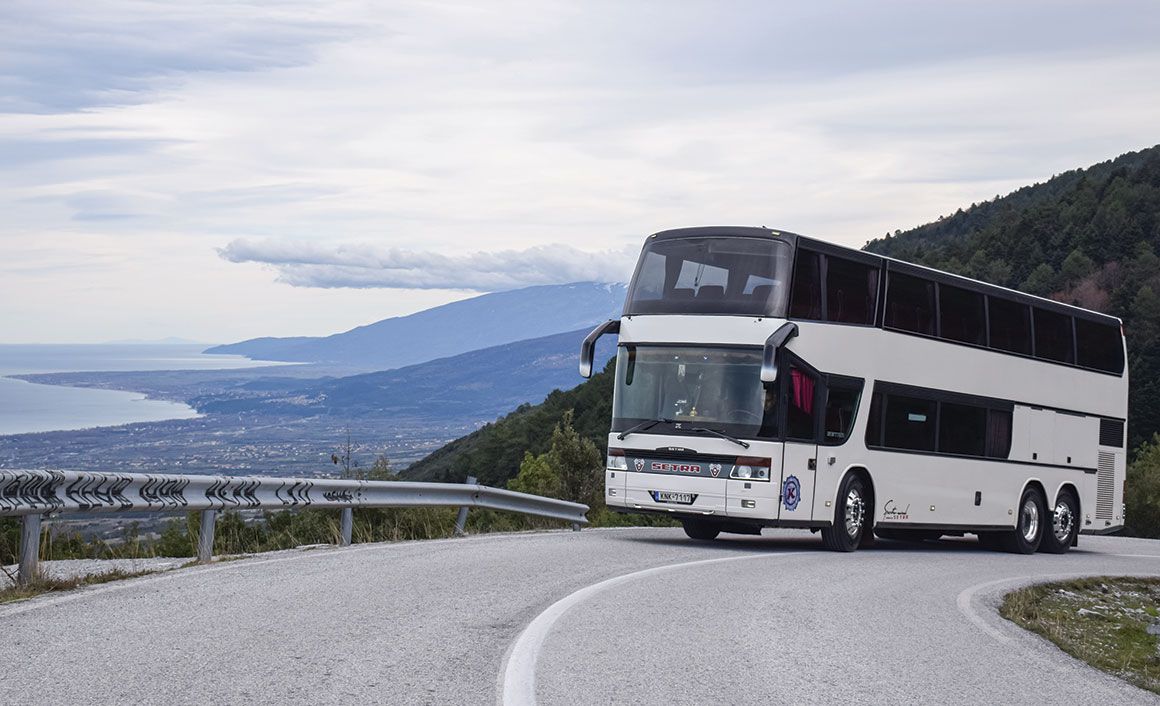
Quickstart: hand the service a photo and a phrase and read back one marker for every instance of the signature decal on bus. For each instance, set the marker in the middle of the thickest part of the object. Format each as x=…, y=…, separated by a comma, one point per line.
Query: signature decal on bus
x=791, y=494
x=890, y=511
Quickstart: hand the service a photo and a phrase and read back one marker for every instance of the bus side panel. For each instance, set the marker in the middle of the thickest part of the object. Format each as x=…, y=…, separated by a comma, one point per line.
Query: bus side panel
x=925, y=490
x=614, y=487
x=762, y=496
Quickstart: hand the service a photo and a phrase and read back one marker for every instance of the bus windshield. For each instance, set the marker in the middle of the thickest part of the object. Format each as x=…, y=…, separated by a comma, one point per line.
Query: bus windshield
x=714, y=388
x=712, y=275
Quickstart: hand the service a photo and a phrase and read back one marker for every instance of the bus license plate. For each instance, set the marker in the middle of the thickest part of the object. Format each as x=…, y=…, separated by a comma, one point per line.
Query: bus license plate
x=668, y=496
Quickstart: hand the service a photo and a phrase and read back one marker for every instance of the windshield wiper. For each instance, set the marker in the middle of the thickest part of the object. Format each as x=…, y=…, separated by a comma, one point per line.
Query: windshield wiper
x=723, y=435
x=647, y=424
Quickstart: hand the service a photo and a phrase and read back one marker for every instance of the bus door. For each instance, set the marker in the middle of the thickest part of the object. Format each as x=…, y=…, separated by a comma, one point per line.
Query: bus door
x=801, y=409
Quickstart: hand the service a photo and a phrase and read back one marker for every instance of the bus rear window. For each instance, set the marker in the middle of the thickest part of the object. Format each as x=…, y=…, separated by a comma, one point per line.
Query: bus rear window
x=712, y=275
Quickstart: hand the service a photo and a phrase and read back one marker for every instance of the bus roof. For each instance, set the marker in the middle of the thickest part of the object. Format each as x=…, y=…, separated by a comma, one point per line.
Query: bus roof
x=892, y=264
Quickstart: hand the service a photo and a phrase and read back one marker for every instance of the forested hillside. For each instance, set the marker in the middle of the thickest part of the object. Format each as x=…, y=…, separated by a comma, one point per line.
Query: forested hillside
x=1088, y=237
x=493, y=454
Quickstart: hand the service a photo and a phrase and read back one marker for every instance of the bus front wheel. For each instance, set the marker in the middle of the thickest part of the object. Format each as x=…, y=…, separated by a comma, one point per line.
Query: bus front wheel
x=702, y=530
x=850, y=517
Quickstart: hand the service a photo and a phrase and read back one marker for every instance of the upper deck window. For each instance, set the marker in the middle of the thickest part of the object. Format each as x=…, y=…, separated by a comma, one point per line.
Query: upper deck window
x=961, y=316
x=1053, y=336
x=910, y=304
x=1099, y=346
x=711, y=275
x=851, y=291
x=829, y=288
x=1010, y=325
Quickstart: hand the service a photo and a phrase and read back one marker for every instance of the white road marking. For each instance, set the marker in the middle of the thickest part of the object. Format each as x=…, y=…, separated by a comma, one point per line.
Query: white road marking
x=518, y=681
x=967, y=595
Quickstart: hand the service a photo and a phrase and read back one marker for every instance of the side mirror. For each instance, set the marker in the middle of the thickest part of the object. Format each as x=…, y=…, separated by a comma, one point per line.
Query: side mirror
x=588, y=347
x=769, y=355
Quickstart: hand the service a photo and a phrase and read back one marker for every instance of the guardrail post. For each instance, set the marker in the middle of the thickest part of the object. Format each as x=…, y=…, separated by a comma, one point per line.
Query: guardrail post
x=29, y=550
x=347, y=527
x=575, y=526
x=205, y=536
x=461, y=518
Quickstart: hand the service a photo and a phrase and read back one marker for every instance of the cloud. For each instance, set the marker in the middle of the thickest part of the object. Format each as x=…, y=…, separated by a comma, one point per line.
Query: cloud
x=484, y=131
x=303, y=264
x=59, y=55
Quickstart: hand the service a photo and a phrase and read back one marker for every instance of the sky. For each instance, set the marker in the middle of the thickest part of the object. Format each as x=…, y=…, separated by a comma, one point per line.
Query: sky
x=222, y=170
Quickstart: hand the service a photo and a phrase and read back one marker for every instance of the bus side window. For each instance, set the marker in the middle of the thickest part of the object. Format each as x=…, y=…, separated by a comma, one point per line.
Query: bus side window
x=909, y=423
x=851, y=290
x=1053, y=335
x=910, y=304
x=1099, y=346
x=806, y=292
x=841, y=407
x=799, y=423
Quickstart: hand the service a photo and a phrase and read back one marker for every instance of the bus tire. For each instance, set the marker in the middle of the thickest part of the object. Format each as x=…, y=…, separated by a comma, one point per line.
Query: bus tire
x=701, y=529
x=1030, y=521
x=1062, y=525
x=850, y=517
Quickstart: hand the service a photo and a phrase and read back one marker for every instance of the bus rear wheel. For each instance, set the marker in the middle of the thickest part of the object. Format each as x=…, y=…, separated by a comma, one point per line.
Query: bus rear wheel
x=701, y=529
x=1030, y=521
x=1062, y=525
x=850, y=517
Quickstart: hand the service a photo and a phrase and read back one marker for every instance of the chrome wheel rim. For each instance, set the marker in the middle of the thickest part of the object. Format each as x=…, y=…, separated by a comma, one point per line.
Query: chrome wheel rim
x=1030, y=520
x=1062, y=521
x=855, y=513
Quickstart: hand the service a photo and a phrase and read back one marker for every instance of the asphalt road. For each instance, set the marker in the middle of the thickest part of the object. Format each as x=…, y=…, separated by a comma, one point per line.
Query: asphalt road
x=617, y=616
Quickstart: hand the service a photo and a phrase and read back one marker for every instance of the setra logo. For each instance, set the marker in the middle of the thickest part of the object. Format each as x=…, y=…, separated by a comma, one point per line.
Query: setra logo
x=676, y=467
x=639, y=465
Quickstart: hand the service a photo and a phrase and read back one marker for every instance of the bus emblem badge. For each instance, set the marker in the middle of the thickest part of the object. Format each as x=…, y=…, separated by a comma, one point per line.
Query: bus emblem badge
x=639, y=465
x=715, y=469
x=792, y=493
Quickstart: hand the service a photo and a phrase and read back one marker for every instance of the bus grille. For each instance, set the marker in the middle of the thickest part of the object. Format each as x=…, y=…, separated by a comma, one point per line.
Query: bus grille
x=1112, y=433
x=1105, y=485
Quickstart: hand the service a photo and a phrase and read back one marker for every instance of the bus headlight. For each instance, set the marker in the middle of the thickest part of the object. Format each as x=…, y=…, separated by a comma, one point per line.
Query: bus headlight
x=617, y=461
x=751, y=469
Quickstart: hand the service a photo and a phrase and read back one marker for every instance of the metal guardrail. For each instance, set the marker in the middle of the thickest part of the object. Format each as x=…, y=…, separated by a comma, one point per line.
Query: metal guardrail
x=34, y=494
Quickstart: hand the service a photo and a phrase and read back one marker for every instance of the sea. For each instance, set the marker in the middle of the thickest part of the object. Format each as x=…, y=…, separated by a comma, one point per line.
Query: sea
x=27, y=407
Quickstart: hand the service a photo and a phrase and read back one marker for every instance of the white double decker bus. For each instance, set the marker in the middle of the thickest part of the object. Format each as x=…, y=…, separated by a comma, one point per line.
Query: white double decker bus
x=766, y=379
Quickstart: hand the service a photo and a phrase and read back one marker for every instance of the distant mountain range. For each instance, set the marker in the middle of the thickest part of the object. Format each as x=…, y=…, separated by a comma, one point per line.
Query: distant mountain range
x=472, y=324
x=479, y=384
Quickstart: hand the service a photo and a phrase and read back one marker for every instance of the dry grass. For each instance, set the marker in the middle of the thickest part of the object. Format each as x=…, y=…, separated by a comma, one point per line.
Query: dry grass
x=1102, y=620
x=55, y=585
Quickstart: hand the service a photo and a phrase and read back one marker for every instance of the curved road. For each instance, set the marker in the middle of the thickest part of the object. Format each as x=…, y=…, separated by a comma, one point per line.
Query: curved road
x=601, y=616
